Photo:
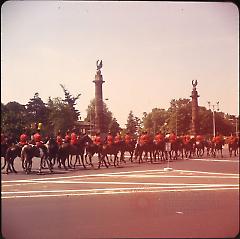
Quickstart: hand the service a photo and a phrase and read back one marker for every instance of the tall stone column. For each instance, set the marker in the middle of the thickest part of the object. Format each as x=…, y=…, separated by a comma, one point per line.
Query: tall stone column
x=195, y=120
x=98, y=99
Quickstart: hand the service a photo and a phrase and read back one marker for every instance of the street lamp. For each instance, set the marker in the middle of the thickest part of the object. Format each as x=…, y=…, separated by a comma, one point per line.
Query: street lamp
x=213, y=108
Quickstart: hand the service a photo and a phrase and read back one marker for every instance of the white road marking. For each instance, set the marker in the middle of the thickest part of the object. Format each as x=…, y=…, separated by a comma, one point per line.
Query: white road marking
x=112, y=174
x=143, y=186
x=120, y=192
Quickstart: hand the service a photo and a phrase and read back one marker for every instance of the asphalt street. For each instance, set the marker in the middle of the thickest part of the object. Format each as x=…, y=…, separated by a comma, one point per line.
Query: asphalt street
x=199, y=198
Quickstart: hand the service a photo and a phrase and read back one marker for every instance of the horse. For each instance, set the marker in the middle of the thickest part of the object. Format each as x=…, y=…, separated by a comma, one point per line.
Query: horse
x=11, y=153
x=79, y=149
x=52, y=150
x=107, y=149
x=9, y=141
x=199, y=146
x=63, y=155
x=159, y=150
x=128, y=147
x=29, y=151
x=176, y=147
x=147, y=147
x=4, y=147
x=216, y=147
x=233, y=147
x=189, y=148
x=92, y=149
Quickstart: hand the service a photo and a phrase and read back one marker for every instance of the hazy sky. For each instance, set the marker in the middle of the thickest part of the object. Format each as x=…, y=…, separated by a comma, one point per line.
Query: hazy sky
x=151, y=52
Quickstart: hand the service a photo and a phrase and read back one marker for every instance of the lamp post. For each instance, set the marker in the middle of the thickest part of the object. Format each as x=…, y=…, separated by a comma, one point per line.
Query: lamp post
x=213, y=109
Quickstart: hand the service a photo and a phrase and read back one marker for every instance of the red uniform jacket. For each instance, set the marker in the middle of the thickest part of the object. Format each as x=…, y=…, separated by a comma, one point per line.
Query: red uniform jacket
x=73, y=138
x=97, y=140
x=109, y=140
x=159, y=138
x=117, y=139
x=128, y=138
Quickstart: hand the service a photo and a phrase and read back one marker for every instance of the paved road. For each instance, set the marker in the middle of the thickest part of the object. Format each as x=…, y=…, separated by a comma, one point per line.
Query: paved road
x=199, y=198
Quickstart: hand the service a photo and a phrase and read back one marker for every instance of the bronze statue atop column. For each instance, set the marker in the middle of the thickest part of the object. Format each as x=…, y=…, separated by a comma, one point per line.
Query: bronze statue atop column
x=195, y=120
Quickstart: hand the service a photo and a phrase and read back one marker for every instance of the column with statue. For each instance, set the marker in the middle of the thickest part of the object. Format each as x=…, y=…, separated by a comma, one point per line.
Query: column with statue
x=195, y=119
x=98, y=98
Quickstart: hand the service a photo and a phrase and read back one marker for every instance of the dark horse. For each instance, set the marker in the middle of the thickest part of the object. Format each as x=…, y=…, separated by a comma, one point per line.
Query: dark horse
x=11, y=153
x=79, y=149
x=176, y=148
x=52, y=150
x=106, y=149
x=147, y=147
x=9, y=141
x=159, y=150
x=217, y=147
x=233, y=147
x=128, y=147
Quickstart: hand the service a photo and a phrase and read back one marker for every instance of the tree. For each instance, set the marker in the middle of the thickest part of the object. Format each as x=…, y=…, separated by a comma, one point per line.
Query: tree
x=13, y=118
x=60, y=116
x=180, y=116
x=114, y=127
x=133, y=124
x=71, y=101
x=37, y=110
x=154, y=121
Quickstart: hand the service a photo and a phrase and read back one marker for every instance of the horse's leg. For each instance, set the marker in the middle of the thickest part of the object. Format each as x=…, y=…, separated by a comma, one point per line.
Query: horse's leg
x=115, y=160
x=4, y=164
x=50, y=167
x=63, y=161
x=8, y=166
x=12, y=163
x=41, y=164
x=108, y=160
x=105, y=162
x=82, y=159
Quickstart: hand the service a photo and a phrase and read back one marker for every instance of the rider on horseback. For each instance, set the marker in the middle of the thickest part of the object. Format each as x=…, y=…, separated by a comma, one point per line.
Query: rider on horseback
x=23, y=139
x=59, y=138
x=117, y=138
x=158, y=138
x=67, y=138
x=128, y=138
x=73, y=138
x=172, y=137
x=97, y=139
x=109, y=139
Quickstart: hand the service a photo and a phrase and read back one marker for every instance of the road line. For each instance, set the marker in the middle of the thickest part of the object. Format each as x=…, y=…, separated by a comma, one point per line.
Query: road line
x=111, y=174
x=114, y=189
x=118, y=192
x=191, y=171
x=121, y=183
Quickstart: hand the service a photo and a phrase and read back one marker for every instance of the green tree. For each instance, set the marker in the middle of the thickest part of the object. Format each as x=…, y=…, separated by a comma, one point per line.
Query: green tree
x=155, y=120
x=133, y=124
x=114, y=127
x=37, y=110
x=71, y=101
x=13, y=118
x=60, y=116
x=180, y=116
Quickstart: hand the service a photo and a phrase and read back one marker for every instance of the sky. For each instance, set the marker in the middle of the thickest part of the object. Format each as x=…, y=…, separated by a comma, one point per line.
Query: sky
x=151, y=52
